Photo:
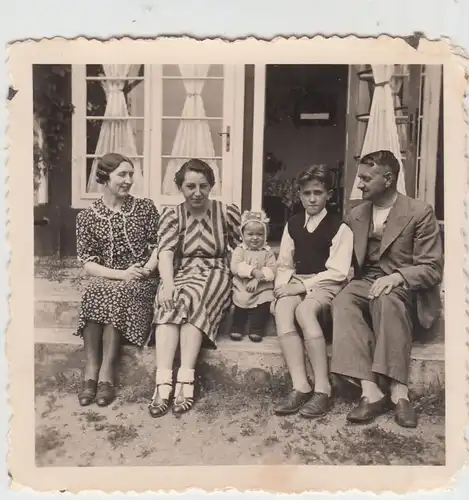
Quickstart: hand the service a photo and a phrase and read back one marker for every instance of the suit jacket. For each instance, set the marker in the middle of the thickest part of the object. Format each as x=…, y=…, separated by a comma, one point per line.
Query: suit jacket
x=411, y=245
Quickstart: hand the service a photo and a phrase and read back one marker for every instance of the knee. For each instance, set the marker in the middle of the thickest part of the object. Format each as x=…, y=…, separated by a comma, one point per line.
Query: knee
x=341, y=301
x=284, y=308
x=307, y=311
x=386, y=300
x=284, y=316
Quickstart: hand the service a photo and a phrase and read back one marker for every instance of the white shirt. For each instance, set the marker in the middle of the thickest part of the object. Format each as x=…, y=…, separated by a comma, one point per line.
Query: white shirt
x=337, y=265
x=380, y=216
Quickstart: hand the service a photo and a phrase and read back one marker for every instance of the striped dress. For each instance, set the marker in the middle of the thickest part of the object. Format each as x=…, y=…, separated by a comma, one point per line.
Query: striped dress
x=202, y=274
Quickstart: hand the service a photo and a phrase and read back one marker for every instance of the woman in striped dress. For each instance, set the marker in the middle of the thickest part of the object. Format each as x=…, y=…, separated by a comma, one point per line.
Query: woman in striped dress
x=195, y=239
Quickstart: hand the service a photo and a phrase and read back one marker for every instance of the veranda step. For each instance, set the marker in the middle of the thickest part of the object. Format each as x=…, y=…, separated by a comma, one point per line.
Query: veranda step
x=57, y=306
x=234, y=365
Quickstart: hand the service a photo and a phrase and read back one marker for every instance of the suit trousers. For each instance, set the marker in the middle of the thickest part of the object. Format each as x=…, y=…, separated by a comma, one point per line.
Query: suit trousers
x=372, y=337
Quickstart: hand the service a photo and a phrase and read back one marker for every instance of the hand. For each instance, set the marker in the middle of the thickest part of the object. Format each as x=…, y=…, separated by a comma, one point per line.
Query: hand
x=252, y=285
x=146, y=271
x=257, y=274
x=385, y=285
x=134, y=272
x=168, y=296
x=289, y=290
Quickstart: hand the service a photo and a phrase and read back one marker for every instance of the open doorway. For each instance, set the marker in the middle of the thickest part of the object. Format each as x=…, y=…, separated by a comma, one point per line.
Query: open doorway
x=304, y=124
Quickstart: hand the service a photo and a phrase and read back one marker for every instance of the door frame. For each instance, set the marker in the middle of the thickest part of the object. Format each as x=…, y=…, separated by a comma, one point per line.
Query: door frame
x=258, y=136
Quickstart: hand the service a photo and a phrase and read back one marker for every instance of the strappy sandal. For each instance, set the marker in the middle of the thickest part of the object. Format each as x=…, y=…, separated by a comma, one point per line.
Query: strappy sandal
x=183, y=404
x=159, y=409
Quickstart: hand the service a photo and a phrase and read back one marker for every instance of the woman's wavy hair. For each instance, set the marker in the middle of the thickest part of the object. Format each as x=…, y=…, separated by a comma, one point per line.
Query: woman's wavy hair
x=194, y=165
x=107, y=164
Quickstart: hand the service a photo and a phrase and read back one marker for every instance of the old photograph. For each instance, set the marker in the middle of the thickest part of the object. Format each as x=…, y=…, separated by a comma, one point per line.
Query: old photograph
x=239, y=263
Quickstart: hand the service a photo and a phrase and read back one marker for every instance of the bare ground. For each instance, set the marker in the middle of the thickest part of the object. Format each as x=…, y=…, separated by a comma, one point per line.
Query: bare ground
x=227, y=429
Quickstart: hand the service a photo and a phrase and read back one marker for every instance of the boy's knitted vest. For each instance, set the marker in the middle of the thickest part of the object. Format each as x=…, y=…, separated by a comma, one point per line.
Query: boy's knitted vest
x=312, y=249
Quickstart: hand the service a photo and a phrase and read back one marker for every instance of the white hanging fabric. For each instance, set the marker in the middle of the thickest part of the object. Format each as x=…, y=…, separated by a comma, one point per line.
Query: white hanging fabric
x=41, y=195
x=193, y=137
x=116, y=135
x=429, y=141
x=381, y=132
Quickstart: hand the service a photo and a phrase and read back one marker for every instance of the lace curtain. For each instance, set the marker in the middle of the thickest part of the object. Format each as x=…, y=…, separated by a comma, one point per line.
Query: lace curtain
x=116, y=135
x=381, y=132
x=193, y=137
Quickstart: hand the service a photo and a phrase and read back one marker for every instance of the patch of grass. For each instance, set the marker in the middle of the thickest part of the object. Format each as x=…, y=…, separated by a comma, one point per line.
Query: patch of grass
x=92, y=416
x=52, y=405
x=146, y=452
x=271, y=440
x=120, y=435
x=48, y=439
x=209, y=408
x=247, y=429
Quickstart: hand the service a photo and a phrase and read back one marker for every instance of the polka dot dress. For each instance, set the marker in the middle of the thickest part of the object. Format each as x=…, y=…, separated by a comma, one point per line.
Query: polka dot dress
x=117, y=240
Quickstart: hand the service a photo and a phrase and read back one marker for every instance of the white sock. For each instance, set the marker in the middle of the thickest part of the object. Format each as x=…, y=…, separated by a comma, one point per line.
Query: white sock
x=163, y=376
x=399, y=391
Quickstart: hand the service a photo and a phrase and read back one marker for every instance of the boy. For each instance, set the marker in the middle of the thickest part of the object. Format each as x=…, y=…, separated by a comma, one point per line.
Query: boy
x=313, y=264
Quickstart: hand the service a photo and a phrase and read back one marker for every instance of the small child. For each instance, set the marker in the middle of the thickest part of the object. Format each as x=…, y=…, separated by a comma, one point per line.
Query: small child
x=253, y=265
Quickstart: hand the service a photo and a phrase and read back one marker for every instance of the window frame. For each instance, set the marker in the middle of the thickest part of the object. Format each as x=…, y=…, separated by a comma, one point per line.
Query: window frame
x=80, y=197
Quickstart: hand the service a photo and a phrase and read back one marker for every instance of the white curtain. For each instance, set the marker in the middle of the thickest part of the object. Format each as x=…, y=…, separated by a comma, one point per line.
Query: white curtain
x=193, y=137
x=429, y=141
x=381, y=132
x=41, y=181
x=116, y=136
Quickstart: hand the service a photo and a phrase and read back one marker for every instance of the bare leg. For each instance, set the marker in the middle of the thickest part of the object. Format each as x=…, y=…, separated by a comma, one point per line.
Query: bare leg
x=166, y=343
x=191, y=342
x=111, y=345
x=307, y=316
x=92, y=342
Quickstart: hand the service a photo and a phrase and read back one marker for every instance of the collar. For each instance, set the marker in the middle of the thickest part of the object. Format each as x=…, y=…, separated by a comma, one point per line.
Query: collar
x=103, y=211
x=376, y=207
x=207, y=214
x=318, y=217
x=265, y=246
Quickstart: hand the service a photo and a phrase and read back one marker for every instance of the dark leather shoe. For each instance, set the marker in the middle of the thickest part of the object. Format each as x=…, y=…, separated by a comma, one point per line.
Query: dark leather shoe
x=292, y=402
x=317, y=406
x=405, y=414
x=255, y=337
x=88, y=392
x=106, y=394
x=366, y=412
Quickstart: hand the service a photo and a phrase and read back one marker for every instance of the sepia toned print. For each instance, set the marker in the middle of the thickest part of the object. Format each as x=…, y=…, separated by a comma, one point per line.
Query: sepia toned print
x=238, y=258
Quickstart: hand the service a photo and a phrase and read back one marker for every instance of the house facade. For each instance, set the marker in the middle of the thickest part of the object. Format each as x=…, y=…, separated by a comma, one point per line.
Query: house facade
x=256, y=125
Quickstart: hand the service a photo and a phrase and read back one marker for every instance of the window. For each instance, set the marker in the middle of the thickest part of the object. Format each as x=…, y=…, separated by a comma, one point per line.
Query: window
x=110, y=102
x=159, y=116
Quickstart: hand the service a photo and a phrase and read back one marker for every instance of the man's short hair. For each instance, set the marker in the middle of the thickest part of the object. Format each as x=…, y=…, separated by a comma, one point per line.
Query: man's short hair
x=382, y=158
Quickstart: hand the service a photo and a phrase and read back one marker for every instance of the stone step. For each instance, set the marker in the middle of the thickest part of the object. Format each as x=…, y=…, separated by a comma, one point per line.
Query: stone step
x=57, y=305
x=234, y=365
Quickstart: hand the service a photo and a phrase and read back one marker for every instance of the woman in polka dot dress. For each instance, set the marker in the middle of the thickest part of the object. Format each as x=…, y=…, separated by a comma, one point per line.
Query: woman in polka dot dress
x=116, y=242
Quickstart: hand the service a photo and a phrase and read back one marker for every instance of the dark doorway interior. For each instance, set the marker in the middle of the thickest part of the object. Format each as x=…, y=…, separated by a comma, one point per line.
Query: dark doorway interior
x=305, y=112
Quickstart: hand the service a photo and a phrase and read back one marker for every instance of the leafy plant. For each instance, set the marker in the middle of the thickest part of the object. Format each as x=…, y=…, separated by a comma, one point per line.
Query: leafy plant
x=52, y=110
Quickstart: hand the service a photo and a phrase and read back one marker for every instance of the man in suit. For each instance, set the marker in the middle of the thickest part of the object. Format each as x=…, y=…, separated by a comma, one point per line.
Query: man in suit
x=398, y=264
